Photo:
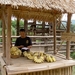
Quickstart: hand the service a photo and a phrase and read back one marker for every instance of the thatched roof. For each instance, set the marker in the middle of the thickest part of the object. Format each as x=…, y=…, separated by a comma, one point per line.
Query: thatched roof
x=36, y=8
x=61, y=5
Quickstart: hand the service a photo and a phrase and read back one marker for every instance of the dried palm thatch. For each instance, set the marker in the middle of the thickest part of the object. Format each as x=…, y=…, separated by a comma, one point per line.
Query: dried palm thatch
x=61, y=5
x=40, y=9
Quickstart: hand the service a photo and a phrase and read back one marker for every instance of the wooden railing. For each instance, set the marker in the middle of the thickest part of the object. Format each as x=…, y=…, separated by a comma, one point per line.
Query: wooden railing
x=45, y=43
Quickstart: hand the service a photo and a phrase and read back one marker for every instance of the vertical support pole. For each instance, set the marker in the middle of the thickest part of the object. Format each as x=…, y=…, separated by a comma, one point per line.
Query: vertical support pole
x=34, y=23
x=50, y=28
x=25, y=25
x=8, y=38
x=54, y=33
x=68, y=31
x=18, y=26
x=43, y=28
x=59, y=22
x=3, y=33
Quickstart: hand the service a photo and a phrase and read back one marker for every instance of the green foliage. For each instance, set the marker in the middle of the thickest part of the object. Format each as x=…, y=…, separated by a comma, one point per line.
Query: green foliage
x=72, y=55
x=14, y=23
x=73, y=27
x=21, y=23
x=13, y=31
x=0, y=31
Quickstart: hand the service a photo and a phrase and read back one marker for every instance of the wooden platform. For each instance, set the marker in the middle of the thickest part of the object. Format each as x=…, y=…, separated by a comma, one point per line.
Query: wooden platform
x=23, y=65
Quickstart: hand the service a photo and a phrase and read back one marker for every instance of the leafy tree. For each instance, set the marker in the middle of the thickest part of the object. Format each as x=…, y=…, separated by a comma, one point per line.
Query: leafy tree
x=14, y=23
x=21, y=23
x=73, y=27
x=73, y=55
x=13, y=31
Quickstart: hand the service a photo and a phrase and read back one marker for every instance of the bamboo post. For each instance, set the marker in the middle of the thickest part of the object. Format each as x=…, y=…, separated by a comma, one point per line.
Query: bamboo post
x=38, y=73
x=34, y=73
x=2, y=66
x=50, y=28
x=71, y=70
x=41, y=72
x=25, y=25
x=26, y=73
x=18, y=26
x=8, y=38
x=43, y=28
x=59, y=22
x=68, y=31
x=3, y=33
x=34, y=23
x=51, y=72
x=54, y=33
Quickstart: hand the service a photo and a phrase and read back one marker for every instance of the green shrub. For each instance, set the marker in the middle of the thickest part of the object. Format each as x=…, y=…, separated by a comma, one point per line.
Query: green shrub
x=73, y=55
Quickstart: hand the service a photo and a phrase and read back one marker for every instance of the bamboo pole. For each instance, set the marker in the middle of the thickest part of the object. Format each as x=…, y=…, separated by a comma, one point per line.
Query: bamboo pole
x=68, y=71
x=34, y=23
x=2, y=66
x=34, y=73
x=27, y=73
x=8, y=38
x=54, y=71
x=25, y=25
x=51, y=72
x=41, y=72
x=54, y=33
x=38, y=73
x=59, y=71
x=62, y=71
x=48, y=72
x=43, y=28
x=59, y=22
x=68, y=31
x=18, y=26
x=71, y=70
x=3, y=33
x=23, y=74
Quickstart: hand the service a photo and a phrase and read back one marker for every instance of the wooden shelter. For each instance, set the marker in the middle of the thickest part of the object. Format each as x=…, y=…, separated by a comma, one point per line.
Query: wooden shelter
x=45, y=10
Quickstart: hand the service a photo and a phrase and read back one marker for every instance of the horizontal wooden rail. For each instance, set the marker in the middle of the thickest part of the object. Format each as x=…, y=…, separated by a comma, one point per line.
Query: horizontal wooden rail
x=51, y=45
x=36, y=36
x=40, y=42
x=43, y=45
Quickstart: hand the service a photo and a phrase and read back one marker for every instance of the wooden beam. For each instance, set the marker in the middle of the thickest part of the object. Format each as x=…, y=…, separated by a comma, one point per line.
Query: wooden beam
x=68, y=31
x=25, y=25
x=34, y=23
x=18, y=26
x=8, y=38
x=43, y=28
x=3, y=33
x=54, y=33
x=59, y=24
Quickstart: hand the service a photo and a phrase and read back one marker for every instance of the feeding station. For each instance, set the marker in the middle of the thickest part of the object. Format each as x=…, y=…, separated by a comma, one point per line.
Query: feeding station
x=43, y=10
